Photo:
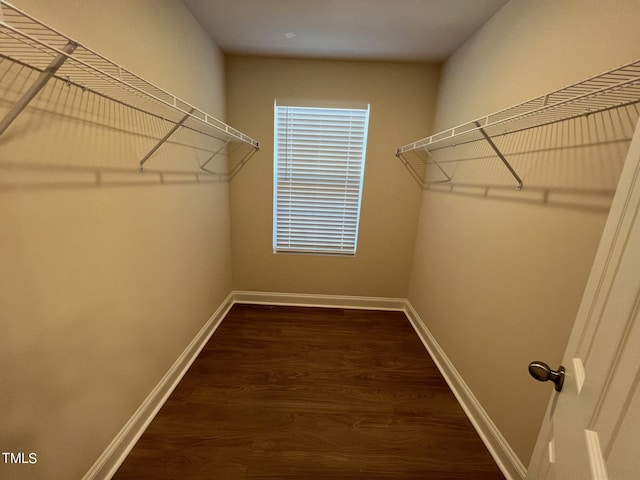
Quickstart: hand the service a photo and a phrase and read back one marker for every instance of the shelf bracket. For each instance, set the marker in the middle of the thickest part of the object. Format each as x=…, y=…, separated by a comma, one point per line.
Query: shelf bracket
x=241, y=163
x=214, y=154
x=41, y=81
x=500, y=156
x=448, y=178
x=422, y=181
x=408, y=166
x=164, y=139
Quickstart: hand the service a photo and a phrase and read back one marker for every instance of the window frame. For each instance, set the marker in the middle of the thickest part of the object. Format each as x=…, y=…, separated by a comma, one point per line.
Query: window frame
x=322, y=246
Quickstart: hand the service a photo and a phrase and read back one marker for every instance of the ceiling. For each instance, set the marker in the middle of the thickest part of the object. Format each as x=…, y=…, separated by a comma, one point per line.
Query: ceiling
x=399, y=30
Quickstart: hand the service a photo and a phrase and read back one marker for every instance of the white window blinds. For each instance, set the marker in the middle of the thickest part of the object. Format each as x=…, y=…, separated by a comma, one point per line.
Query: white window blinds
x=319, y=168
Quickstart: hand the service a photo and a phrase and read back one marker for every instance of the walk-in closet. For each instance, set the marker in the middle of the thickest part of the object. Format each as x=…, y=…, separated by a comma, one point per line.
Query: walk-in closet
x=340, y=239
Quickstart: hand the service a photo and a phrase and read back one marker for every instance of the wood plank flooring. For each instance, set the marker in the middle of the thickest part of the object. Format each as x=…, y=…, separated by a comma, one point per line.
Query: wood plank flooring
x=308, y=393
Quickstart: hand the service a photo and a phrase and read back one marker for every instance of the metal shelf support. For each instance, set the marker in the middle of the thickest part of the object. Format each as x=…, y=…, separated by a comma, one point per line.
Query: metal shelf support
x=214, y=154
x=41, y=81
x=406, y=163
x=448, y=178
x=613, y=89
x=164, y=139
x=27, y=41
x=500, y=156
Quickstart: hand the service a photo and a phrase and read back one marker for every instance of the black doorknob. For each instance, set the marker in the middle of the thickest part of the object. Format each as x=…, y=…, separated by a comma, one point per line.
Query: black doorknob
x=541, y=372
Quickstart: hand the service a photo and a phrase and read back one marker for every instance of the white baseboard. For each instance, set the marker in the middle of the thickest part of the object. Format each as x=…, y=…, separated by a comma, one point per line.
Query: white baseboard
x=307, y=300
x=114, y=455
x=504, y=456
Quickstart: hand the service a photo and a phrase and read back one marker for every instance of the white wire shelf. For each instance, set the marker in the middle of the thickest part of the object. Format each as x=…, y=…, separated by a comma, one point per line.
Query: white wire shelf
x=28, y=41
x=612, y=89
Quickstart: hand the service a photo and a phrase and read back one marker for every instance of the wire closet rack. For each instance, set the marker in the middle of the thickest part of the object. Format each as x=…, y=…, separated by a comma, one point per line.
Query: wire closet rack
x=29, y=42
x=612, y=89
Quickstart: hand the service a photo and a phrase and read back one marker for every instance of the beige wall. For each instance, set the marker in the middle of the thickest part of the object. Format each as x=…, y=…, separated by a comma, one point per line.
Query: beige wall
x=401, y=98
x=498, y=278
x=106, y=274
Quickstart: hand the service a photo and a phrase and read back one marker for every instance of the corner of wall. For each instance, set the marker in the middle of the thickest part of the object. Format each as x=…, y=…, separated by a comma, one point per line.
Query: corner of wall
x=498, y=446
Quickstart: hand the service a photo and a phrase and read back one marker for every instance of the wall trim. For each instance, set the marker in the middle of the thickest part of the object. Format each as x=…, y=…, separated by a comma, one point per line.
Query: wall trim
x=504, y=456
x=310, y=300
x=115, y=454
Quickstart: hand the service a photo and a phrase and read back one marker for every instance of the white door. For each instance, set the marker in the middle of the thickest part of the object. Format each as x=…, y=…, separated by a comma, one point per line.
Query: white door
x=592, y=427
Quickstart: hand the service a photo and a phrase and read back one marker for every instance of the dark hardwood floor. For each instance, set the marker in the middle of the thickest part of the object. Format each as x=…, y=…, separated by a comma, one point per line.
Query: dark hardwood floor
x=307, y=393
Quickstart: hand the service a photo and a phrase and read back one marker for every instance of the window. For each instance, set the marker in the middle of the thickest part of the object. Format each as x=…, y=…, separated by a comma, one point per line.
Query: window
x=319, y=167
